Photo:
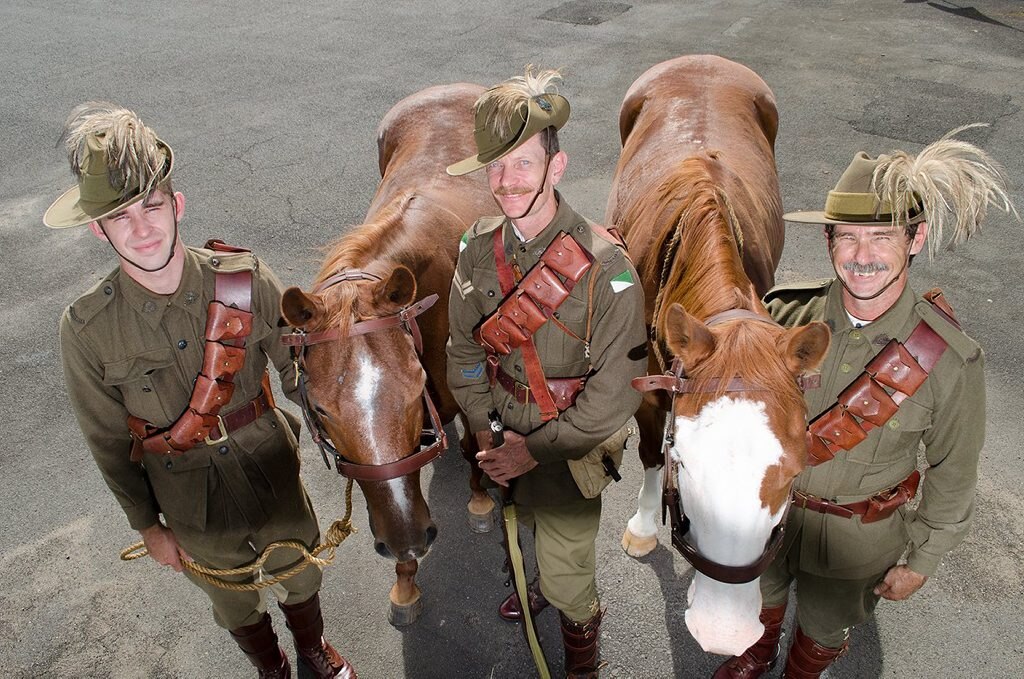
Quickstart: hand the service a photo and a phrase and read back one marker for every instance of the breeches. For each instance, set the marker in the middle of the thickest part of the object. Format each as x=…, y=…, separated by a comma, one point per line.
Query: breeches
x=826, y=608
x=231, y=546
x=566, y=556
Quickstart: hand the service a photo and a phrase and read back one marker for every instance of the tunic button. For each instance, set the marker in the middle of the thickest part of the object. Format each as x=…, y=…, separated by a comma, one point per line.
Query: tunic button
x=107, y=290
x=169, y=464
x=147, y=389
x=845, y=367
x=579, y=229
x=519, y=369
x=855, y=334
x=490, y=293
x=182, y=344
x=509, y=406
x=522, y=248
x=894, y=423
x=223, y=450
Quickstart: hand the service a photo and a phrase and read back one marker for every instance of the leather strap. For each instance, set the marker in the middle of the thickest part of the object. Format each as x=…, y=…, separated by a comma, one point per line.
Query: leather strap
x=531, y=360
x=875, y=508
x=865, y=404
x=228, y=323
x=564, y=390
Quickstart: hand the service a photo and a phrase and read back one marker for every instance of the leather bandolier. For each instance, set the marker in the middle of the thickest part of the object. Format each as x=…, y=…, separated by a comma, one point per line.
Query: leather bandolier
x=527, y=306
x=228, y=323
x=866, y=403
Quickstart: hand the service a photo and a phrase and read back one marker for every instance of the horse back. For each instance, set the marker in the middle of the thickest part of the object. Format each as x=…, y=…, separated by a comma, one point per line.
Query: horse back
x=715, y=109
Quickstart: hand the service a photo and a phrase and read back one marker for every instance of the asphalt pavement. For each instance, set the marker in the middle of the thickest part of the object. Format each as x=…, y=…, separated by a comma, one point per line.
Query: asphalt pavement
x=272, y=108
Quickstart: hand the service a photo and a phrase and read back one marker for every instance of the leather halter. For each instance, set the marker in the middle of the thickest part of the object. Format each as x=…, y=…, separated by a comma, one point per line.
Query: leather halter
x=406, y=318
x=675, y=382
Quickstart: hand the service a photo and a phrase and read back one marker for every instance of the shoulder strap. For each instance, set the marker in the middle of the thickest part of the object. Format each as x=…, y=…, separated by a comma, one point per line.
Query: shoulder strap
x=902, y=367
x=228, y=324
x=531, y=360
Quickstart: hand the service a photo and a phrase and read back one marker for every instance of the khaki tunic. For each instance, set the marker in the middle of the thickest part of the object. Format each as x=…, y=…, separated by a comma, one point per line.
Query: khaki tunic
x=128, y=350
x=946, y=416
x=617, y=350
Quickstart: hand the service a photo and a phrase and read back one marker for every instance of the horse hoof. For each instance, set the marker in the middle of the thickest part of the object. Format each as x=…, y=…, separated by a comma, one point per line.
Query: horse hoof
x=481, y=523
x=400, y=615
x=637, y=547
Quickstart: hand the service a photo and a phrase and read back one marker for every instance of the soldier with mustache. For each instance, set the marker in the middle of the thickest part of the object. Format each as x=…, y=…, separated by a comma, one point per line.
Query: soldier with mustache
x=900, y=374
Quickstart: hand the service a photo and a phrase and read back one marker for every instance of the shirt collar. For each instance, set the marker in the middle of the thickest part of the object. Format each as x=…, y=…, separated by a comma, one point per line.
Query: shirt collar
x=151, y=306
x=564, y=220
x=888, y=325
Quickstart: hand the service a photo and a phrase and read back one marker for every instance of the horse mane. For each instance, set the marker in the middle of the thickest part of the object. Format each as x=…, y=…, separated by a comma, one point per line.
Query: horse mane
x=373, y=245
x=698, y=263
x=697, y=240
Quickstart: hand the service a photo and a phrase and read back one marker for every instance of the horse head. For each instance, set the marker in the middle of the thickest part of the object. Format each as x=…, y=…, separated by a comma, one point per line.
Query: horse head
x=365, y=391
x=738, y=444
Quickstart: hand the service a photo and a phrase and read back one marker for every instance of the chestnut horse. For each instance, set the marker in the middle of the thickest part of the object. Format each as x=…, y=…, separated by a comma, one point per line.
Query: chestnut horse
x=696, y=194
x=365, y=390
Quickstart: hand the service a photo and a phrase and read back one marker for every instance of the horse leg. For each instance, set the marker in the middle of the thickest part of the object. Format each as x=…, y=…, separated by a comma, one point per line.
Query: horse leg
x=406, y=603
x=481, y=506
x=641, y=535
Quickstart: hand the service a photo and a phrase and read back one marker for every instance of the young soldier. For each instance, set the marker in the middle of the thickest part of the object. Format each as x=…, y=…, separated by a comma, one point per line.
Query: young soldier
x=547, y=330
x=899, y=373
x=165, y=363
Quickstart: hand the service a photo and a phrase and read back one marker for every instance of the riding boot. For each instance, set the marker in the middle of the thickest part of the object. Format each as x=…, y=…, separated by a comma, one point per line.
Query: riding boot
x=580, y=640
x=511, y=610
x=307, y=626
x=259, y=643
x=762, y=656
x=808, y=659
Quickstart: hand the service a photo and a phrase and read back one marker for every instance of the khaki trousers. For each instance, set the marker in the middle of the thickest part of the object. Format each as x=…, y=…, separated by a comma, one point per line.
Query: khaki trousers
x=566, y=555
x=230, y=544
x=826, y=608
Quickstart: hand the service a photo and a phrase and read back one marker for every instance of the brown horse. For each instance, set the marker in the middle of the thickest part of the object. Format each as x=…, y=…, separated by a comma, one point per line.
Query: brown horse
x=696, y=195
x=367, y=383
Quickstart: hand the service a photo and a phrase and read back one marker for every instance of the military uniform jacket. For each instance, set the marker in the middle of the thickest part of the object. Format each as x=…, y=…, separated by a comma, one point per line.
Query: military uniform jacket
x=617, y=350
x=128, y=350
x=946, y=415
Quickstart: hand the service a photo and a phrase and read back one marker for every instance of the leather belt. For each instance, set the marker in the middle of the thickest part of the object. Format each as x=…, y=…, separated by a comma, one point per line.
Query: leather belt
x=234, y=421
x=563, y=389
x=875, y=508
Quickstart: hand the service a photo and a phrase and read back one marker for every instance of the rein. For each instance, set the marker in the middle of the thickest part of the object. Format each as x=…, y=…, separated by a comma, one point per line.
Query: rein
x=675, y=382
x=406, y=318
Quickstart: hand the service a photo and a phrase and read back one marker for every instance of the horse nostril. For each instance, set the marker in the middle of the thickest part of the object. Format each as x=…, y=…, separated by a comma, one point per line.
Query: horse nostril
x=382, y=549
x=431, y=534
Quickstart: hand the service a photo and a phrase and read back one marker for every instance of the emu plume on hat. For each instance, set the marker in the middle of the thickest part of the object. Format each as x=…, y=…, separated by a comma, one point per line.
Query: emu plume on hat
x=949, y=178
x=508, y=114
x=116, y=161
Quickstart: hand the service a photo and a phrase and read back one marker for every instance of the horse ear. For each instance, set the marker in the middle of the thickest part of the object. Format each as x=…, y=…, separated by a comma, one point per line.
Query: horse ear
x=301, y=310
x=399, y=289
x=803, y=348
x=687, y=338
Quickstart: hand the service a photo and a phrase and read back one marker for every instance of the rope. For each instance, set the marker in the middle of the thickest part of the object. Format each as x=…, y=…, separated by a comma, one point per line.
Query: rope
x=336, y=534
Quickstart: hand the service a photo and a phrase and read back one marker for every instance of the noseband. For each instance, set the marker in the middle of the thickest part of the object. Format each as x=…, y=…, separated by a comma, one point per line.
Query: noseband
x=436, y=439
x=675, y=382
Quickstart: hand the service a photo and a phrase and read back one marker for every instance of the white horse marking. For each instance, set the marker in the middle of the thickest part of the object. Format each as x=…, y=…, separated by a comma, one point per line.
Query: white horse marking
x=724, y=454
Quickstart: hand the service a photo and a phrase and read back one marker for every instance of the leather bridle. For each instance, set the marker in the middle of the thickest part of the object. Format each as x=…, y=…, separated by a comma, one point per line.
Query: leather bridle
x=675, y=382
x=436, y=439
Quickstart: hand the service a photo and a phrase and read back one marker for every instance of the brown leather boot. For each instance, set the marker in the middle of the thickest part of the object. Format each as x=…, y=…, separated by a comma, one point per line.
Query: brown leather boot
x=511, y=610
x=307, y=626
x=259, y=643
x=760, y=657
x=808, y=659
x=580, y=640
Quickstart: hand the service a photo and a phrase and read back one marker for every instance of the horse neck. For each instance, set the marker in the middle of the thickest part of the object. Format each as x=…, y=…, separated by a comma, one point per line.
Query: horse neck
x=701, y=267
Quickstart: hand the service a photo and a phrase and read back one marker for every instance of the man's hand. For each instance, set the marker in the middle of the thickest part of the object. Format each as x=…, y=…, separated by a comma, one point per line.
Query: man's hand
x=899, y=583
x=508, y=461
x=163, y=546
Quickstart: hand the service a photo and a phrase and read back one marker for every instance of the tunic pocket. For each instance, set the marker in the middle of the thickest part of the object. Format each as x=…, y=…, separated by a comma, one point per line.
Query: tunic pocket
x=180, y=485
x=899, y=437
x=140, y=379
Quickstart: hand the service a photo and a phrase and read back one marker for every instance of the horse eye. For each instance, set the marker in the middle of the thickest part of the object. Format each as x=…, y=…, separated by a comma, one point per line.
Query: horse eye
x=321, y=412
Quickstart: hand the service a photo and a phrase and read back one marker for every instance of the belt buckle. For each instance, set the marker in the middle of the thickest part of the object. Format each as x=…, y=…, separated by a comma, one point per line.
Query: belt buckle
x=223, y=433
x=521, y=392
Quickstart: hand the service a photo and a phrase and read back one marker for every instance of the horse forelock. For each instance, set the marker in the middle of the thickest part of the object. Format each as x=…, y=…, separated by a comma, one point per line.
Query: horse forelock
x=367, y=247
x=747, y=349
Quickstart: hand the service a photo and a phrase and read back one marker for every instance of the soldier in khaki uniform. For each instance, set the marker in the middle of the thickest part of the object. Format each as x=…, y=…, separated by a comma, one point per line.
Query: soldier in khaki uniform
x=596, y=333
x=135, y=344
x=850, y=537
